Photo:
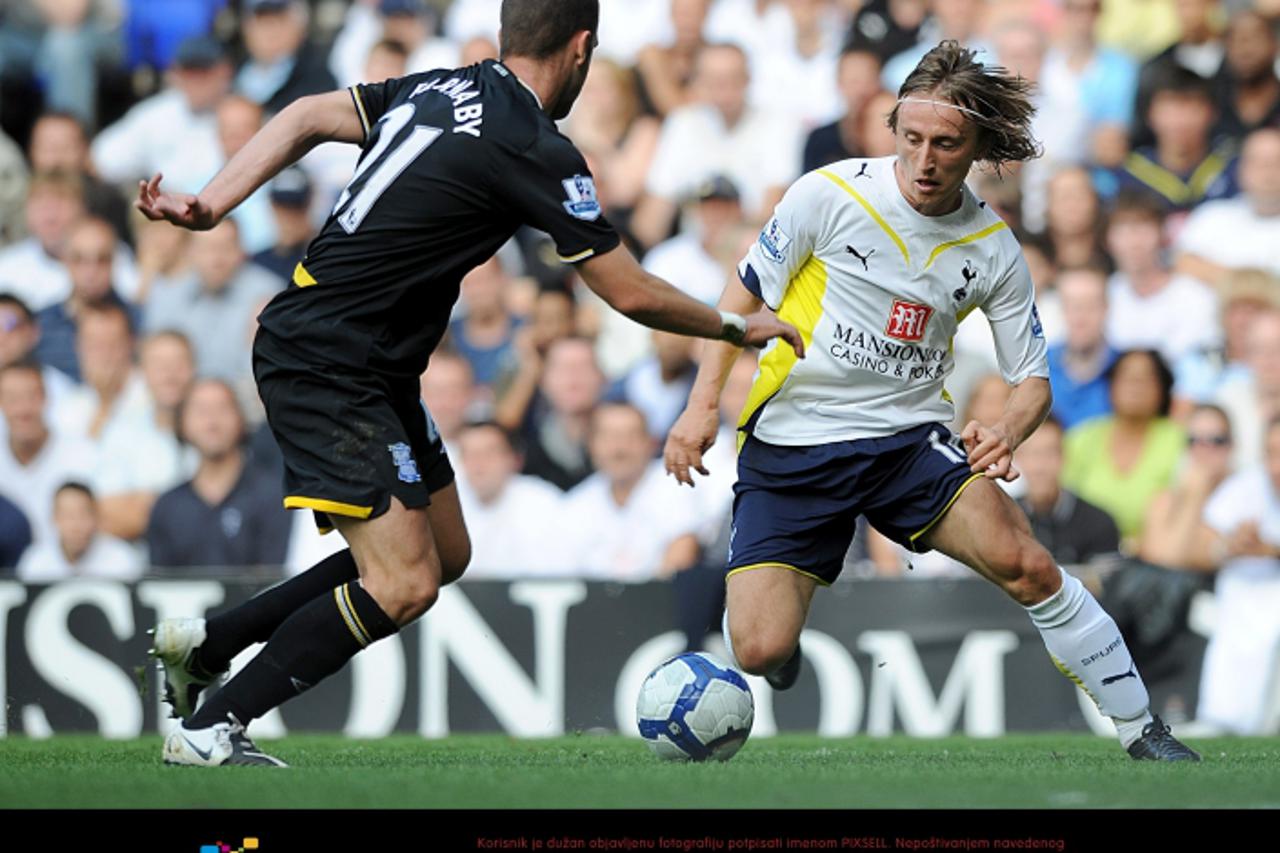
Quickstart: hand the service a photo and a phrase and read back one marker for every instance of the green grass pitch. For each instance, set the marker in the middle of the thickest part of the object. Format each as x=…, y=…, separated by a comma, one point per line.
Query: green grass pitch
x=1023, y=771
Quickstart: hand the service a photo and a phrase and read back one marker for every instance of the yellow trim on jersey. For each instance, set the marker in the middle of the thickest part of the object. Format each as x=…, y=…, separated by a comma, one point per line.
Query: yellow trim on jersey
x=573, y=259
x=333, y=507
x=301, y=277
x=776, y=565
x=347, y=616
x=871, y=211
x=960, y=491
x=801, y=307
x=364, y=116
x=970, y=238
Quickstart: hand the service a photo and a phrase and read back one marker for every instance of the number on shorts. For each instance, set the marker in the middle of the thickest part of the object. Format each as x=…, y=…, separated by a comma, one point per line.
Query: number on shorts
x=952, y=449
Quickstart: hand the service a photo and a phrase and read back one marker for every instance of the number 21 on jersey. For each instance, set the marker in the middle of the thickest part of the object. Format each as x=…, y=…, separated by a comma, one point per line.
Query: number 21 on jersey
x=389, y=165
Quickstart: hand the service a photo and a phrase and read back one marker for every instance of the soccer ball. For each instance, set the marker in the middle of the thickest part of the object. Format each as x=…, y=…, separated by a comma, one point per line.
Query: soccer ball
x=694, y=707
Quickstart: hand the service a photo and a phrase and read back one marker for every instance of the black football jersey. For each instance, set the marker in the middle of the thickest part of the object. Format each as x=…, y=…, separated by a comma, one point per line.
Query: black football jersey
x=454, y=162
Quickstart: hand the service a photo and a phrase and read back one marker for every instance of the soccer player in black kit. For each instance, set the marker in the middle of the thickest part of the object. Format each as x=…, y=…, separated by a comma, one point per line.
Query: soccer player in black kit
x=454, y=162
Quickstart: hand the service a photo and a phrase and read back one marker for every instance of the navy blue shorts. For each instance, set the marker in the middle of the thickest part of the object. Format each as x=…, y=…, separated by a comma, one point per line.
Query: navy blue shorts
x=797, y=507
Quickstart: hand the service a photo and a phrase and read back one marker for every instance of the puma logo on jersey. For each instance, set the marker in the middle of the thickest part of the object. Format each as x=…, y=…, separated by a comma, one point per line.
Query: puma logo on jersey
x=859, y=256
x=862, y=173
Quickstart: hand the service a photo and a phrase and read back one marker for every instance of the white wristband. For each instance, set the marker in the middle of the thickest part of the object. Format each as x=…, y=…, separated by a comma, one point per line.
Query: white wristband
x=733, y=328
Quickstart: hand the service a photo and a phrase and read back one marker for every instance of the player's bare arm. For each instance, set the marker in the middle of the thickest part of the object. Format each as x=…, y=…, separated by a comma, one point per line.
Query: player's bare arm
x=295, y=130
x=991, y=448
x=618, y=279
x=695, y=430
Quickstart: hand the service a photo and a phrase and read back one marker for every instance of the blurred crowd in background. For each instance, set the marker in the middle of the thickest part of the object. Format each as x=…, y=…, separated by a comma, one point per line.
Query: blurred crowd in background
x=132, y=440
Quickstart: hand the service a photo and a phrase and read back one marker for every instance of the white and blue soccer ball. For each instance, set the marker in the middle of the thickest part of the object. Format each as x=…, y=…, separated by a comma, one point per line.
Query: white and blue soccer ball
x=694, y=707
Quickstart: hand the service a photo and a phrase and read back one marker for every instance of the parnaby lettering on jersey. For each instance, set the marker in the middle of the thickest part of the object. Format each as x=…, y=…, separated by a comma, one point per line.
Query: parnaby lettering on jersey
x=467, y=119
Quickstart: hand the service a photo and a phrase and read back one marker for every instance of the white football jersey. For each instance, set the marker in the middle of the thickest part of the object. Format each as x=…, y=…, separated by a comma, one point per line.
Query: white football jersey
x=877, y=291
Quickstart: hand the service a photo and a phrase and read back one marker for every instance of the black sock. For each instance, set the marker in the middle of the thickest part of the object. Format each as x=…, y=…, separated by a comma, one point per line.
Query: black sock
x=312, y=644
x=230, y=633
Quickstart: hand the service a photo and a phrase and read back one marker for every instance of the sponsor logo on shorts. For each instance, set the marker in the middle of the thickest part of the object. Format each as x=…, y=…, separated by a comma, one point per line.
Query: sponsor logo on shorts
x=406, y=467
x=774, y=241
x=907, y=320
x=1037, y=328
x=582, y=203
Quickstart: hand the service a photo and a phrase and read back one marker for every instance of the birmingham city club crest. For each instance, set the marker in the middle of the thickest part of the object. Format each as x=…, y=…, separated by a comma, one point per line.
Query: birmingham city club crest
x=402, y=458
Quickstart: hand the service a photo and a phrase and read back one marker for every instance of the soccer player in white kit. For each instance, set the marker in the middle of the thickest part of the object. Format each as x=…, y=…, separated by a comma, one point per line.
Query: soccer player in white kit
x=876, y=261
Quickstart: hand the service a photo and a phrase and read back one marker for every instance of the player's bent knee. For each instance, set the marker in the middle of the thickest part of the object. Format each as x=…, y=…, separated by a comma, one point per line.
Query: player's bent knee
x=761, y=654
x=404, y=599
x=1037, y=576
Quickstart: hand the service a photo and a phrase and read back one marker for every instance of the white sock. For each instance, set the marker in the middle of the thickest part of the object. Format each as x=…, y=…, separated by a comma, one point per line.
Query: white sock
x=728, y=642
x=1086, y=645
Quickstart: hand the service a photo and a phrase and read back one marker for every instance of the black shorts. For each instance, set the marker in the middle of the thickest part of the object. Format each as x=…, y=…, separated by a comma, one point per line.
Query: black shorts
x=350, y=442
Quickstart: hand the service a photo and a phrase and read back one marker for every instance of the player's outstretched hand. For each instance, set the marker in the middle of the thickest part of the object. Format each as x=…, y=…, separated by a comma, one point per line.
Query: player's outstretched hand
x=990, y=452
x=181, y=209
x=763, y=326
x=692, y=435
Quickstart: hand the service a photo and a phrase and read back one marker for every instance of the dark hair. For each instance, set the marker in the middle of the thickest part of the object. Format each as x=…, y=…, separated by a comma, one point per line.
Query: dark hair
x=391, y=46
x=509, y=438
x=25, y=365
x=623, y=405
x=1163, y=375
x=75, y=486
x=107, y=309
x=1131, y=204
x=539, y=28
x=1181, y=81
x=1001, y=101
x=18, y=305
x=852, y=48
